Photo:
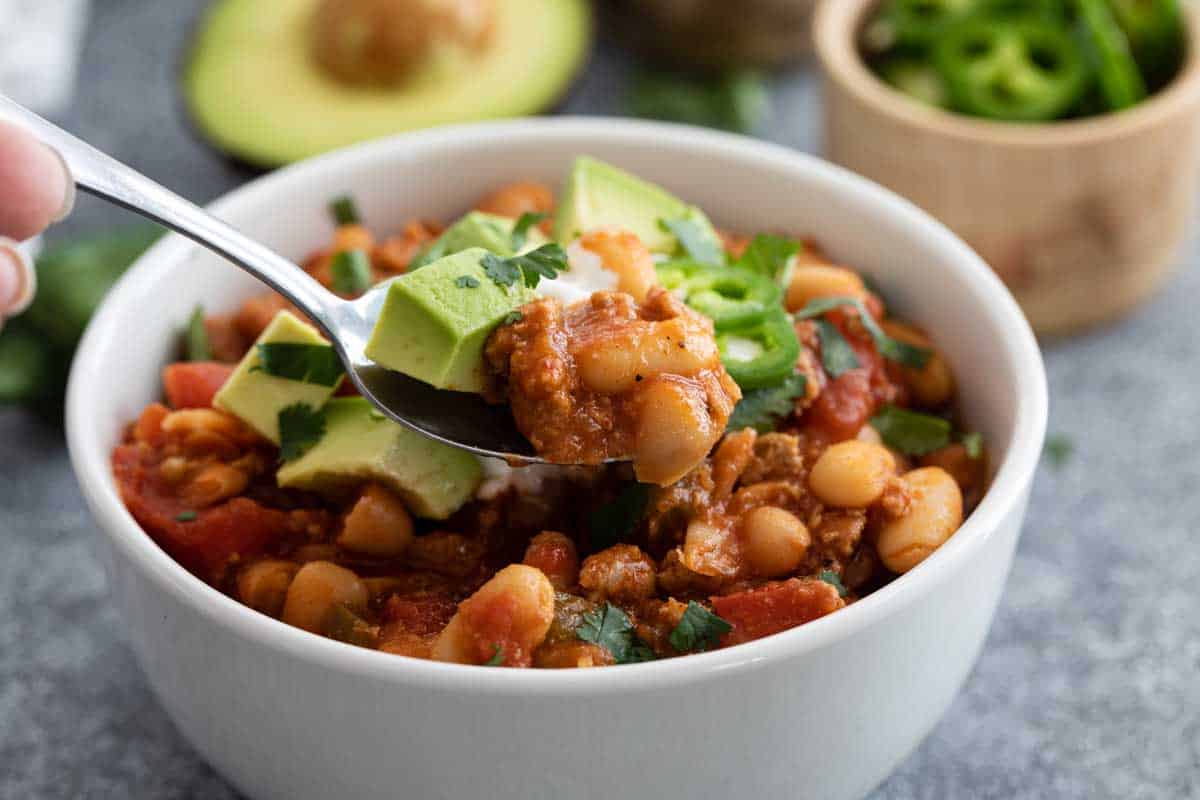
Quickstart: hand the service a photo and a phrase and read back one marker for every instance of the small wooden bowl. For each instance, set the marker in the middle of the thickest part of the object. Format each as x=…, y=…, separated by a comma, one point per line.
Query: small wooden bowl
x=1082, y=218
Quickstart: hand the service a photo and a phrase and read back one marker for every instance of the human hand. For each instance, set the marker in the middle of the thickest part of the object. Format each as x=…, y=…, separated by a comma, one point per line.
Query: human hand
x=35, y=191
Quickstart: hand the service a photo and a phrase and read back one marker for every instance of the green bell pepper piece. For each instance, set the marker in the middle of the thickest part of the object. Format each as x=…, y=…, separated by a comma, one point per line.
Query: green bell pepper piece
x=732, y=297
x=1121, y=83
x=762, y=355
x=1018, y=70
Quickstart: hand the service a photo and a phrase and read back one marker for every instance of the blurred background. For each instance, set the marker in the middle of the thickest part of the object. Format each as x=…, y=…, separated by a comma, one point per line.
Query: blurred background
x=1087, y=684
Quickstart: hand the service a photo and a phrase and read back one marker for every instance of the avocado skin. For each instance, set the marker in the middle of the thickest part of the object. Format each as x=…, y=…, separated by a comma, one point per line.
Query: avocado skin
x=265, y=154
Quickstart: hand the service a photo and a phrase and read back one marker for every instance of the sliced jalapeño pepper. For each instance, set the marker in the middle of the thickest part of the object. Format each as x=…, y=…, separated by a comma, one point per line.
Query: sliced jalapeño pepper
x=912, y=25
x=1020, y=70
x=762, y=355
x=1052, y=10
x=732, y=297
x=1121, y=83
x=916, y=78
x=1157, y=36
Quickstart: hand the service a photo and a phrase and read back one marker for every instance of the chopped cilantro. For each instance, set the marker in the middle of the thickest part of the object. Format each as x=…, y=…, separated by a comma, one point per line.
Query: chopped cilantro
x=910, y=355
x=836, y=353
x=512, y=317
x=466, y=282
x=698, y=629
x=737, y=101
x=300, y=427
x=611, y=629
x=427, y=256
x=351, y=272
x=768, y=254
x=612, y=522
x=186, y=516
x=762, y=409
x=831, y=577
x=309, y=363
x=344, y=211
x=497, y=658
x=520, y=231
x=911, y=432
x=1058, y=450
x=973, y=444
x=545, y=262
x=197, y=345
x=698, y=246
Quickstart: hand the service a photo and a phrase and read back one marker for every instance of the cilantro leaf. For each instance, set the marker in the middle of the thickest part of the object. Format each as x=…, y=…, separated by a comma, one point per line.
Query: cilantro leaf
x=545, y=262
x=466, y=282
x=910, y=355
x=308, y=363
x=186, y=516
x=910, y=432
x=497, y=658
x=762, y=409
x=429, y=255
x=614, y=521
x=344, y=211
x=698, y=629
x=520, y=231
x=300, y=427
x=973, y=444
x=836, y=353
x=737, y=101
x=351, y=272
x=694, y=240
x=611, y=629
x=196, y=342
x=768, y=254
x=831, y=577
x=512, y=317
x=1058, y=450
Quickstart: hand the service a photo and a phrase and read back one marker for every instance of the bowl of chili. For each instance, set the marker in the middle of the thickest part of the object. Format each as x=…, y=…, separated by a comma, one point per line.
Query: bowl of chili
x=833, y=705
x=1060, y=145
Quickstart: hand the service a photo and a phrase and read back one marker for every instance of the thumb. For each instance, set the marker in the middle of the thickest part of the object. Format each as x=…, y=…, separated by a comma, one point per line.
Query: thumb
x=35, y=186
x=17, y=279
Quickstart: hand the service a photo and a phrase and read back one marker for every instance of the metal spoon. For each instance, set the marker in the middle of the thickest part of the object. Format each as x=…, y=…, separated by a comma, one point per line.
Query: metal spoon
x=456, y=418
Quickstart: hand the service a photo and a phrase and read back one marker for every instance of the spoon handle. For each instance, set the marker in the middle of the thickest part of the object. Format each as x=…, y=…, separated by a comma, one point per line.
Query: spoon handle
x=104, y=176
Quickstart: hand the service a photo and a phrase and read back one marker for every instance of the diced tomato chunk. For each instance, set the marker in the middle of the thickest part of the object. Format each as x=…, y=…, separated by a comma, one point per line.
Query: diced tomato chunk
x=193, y=384
x=775, y=607
x=843, y=406
x=205, y=541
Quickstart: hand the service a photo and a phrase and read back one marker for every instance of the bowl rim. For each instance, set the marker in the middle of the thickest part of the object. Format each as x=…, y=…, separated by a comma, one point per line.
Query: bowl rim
x=1006, y=496
x=835, y=43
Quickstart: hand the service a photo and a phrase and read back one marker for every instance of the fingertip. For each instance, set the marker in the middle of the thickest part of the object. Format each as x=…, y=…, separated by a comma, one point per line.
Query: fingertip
x=35, y=186
x=18, y=281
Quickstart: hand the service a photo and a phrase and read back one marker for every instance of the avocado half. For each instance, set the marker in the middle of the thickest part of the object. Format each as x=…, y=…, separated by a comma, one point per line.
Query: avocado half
x=255, y=90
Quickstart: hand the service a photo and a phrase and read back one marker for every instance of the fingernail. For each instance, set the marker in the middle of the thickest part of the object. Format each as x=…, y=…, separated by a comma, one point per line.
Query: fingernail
x=18, y=281
x=68, y=201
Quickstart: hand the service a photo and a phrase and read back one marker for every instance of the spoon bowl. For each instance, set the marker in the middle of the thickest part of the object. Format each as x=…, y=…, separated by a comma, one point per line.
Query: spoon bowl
x=460, y=419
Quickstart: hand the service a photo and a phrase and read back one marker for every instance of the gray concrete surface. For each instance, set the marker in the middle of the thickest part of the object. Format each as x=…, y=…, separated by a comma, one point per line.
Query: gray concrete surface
x=1087, y=687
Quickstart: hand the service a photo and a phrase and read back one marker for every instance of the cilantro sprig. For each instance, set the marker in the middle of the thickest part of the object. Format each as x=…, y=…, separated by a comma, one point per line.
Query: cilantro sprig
x=308, y=363
x=837, y=356
x=351, y=270
x=911, y=432
x=698, y=629
x=545, y=262
x=694, y=240
x=768, y=254
x=300, y=428
x=497, y=658
x=196, y=341
x=762, y=409
x=610, y=628
x=466, y=282
x=520, y=231
x=973, y=444
x=831, y=577
x=344, y=211
x=612, y=522
x=910, y=355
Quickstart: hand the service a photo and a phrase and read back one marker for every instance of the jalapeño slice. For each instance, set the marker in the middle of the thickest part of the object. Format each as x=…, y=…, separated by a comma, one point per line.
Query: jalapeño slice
x=762, y=355
x=1020, y=70
x=1120, y=81
x=732, y=297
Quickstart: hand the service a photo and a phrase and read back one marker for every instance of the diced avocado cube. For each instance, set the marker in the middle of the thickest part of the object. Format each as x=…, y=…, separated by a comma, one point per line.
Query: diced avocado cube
x=489, y=231
x=435, y=321
x=599, y=195
x=256, y=397
x=360, y=444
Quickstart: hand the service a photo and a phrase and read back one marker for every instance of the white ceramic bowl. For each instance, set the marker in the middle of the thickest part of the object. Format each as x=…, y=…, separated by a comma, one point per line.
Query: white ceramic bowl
x=826, y=710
